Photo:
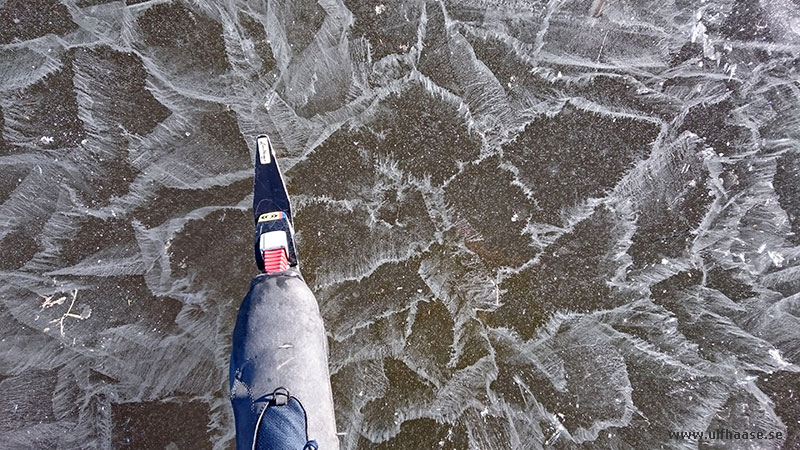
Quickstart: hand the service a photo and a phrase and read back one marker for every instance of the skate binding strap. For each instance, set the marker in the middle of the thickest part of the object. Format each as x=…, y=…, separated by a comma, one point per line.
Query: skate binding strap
x=275, y=260
x=274, y=250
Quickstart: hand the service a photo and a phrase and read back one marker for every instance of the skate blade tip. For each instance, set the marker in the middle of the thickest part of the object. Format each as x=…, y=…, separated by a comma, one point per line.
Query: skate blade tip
x=264, y=148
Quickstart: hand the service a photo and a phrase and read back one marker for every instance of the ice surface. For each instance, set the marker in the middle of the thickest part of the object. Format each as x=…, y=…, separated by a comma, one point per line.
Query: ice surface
x=563, y=224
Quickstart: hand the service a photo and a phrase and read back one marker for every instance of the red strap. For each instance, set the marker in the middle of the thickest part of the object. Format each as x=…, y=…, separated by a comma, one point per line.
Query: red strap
x=275, y=260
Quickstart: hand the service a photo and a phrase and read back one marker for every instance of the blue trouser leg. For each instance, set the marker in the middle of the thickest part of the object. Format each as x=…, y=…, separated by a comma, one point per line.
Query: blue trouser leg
x=279, y=341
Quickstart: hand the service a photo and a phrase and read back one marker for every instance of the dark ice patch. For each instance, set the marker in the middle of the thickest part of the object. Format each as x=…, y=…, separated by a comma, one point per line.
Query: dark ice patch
x=433, y=140
x=787, y=186
x=571, y=275
x=12, y=177
x=513, y=74
x=712, y=122
x=435, y=58
x=496, y=430
x=429, y=346
x=596, y=387
x=403, y=382
x=330, y=231
x=622, y=92
x=716, y=337
x=99, y=378
x=789, y=285
x=353, y=387
x=342, y=167
x=496, y=227
x=782, y=389
x=17, y=248
x=666, y=226
x=472, y=346
x=224, y=235
x=427, y=433
x=301, y=19
x=563, y=167
x=222, y=129
x=120, y=301
x=192, y=35
x=653, y=324
x=747, y=21
x=408, y=209
x=689, y=50
x=434, y=137
x=110, y=177
x=159, y=424
x=117, y=89
x=390, y=27
x=27, y=19
x=48, y=111
x=670, y=370
x=254, y=30
x=95, y=234
x=664, y=291
x=499, y=57
x=728, y=282
x=5, y=149
x=171, y=203
x=520, y=21
x=389, y=211
x=514, y=369
x=779, y=103
x=761, y=225
x=215, y=131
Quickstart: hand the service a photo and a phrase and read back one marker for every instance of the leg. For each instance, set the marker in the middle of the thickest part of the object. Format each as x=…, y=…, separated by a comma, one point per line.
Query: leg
x=279, y=341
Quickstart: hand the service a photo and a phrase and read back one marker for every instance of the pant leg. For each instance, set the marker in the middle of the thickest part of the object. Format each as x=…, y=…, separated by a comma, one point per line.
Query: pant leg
x=279, y=341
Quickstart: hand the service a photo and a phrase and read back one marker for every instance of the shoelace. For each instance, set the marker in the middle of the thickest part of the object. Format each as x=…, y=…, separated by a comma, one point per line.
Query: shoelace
x=280, y=397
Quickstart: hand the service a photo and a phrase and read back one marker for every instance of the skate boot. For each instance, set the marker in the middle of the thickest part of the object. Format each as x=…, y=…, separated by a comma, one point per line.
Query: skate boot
x=274, y=238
